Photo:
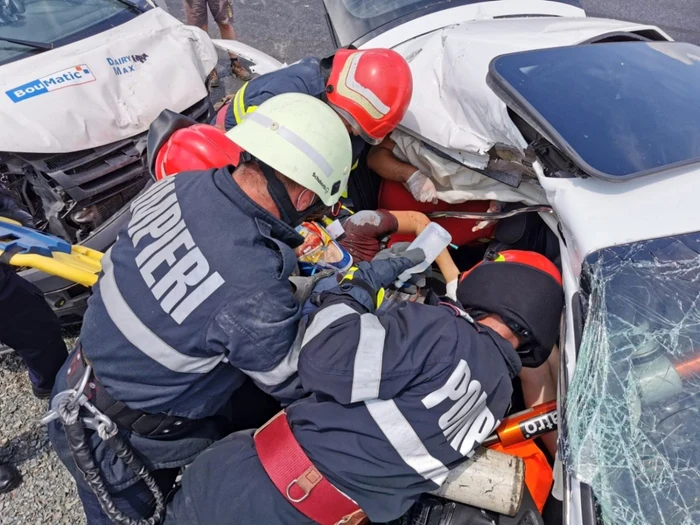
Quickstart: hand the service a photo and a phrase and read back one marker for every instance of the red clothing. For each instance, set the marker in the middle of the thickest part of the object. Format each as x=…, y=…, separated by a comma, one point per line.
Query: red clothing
x=393, y=196
x=364, y=231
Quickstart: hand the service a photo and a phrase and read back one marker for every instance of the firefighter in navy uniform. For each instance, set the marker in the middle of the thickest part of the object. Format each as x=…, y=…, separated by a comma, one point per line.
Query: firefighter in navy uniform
x=29, y=326
x=194, y=298
x=397, y=398
x=370, y=89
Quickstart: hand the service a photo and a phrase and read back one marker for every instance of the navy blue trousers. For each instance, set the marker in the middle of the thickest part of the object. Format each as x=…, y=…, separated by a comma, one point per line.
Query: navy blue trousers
x=28, y=325
x=227, y=485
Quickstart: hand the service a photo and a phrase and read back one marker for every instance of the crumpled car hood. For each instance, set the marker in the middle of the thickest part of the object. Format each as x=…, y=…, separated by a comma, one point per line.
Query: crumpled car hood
x=105, y=88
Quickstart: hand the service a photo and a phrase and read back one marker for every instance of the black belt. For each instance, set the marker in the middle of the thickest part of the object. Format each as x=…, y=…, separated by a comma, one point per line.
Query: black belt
x=134, y=420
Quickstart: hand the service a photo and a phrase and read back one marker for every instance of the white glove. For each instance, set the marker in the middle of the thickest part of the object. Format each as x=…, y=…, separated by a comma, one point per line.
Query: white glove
x=422, y=188
x=452, y=289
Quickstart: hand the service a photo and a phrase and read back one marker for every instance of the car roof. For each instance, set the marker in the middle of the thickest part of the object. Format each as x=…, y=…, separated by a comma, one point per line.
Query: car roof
x=453, y=108
x=356, y=21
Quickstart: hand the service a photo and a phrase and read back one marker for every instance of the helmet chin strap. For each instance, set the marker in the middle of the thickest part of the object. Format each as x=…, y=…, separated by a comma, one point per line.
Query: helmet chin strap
x=280, y=196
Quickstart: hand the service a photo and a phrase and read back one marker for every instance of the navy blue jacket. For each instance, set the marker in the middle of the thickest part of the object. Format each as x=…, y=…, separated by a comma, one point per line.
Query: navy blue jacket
x=304, y=76
x=194, y=296
x=397, y=397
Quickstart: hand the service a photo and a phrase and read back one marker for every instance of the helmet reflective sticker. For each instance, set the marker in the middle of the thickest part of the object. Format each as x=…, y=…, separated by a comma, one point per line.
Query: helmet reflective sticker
x=302, y=138
x=374, y=86
x=348, y=86
x=295, y=140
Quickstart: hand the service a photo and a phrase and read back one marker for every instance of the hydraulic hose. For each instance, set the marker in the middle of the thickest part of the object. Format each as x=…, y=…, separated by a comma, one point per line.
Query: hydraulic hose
x=84, y=460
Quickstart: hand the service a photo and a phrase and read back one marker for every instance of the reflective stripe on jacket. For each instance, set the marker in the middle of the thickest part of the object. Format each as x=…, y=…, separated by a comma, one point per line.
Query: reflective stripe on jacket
x=194, y=295
x=399, y=397
x=304, y=76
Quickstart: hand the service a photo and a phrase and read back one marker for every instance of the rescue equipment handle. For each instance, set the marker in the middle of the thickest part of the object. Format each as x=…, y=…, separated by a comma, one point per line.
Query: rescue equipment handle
x=22, y=246
x=525, y=425
x=488, y=480
x=542, y=419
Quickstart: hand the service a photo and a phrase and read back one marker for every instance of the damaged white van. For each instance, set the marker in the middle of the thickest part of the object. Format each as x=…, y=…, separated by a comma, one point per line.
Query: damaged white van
x=80, y=81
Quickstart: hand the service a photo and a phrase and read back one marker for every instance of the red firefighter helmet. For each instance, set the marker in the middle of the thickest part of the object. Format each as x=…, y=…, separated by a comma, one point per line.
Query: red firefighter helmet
x=523, y=257
x=525, y=289
x=199, y=147
x=371, y=89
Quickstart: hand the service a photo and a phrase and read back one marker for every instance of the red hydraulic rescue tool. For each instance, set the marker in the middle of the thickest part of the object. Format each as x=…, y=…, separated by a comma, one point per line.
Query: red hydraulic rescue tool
x=525, y=425
x=541, y=419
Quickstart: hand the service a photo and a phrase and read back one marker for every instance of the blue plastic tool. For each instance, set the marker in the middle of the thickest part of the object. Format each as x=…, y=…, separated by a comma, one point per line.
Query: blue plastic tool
x=20, y=239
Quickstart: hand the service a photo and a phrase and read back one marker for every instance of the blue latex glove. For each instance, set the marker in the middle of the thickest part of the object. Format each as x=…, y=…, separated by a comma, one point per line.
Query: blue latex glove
x=398, y=249
x=363, y=283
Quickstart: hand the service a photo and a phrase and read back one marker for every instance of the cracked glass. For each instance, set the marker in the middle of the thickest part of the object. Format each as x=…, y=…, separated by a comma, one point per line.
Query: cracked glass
x=632, y=425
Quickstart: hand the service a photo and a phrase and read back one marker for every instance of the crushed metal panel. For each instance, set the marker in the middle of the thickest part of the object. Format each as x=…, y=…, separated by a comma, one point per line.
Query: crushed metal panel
x=632, y=408
x=452, y=106
x=262, y=62
x=455, y=182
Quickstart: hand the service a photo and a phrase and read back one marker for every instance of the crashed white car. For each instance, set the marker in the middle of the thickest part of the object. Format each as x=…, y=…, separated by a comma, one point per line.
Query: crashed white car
x=80, y=82
x=598, y=120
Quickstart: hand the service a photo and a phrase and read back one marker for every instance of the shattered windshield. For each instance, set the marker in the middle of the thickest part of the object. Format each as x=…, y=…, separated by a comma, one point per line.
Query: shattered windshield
x=632, y=408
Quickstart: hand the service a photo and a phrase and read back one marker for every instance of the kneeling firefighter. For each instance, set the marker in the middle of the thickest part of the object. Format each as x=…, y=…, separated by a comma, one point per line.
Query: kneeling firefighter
x=193, y=299
x=398, y=398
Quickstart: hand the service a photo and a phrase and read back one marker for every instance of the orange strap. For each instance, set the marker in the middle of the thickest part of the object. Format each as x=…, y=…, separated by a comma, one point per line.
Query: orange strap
x=538, y=473
x=297, y=478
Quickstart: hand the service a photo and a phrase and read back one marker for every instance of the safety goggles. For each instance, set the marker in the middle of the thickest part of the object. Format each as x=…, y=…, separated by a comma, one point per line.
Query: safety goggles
x=523, y=334
x=531, y=353
x=527, y=341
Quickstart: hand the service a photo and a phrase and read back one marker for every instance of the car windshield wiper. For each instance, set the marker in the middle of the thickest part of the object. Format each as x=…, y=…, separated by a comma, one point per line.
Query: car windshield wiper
x=133, y=5
x=43, y=46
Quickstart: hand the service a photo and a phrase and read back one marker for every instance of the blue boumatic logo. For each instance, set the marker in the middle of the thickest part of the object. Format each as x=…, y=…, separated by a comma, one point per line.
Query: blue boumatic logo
x=73, y=76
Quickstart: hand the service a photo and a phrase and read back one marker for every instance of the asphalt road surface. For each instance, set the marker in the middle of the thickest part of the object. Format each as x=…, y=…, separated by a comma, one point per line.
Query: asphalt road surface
x=292, y=29
x=679, y=18
x=285, y=29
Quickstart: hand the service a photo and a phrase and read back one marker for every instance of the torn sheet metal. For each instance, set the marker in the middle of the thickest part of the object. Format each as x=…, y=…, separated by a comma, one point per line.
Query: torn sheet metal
x=105, y=88
x=631, y=414
x=452, y=105
x=262, y=62
x=456, y=183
